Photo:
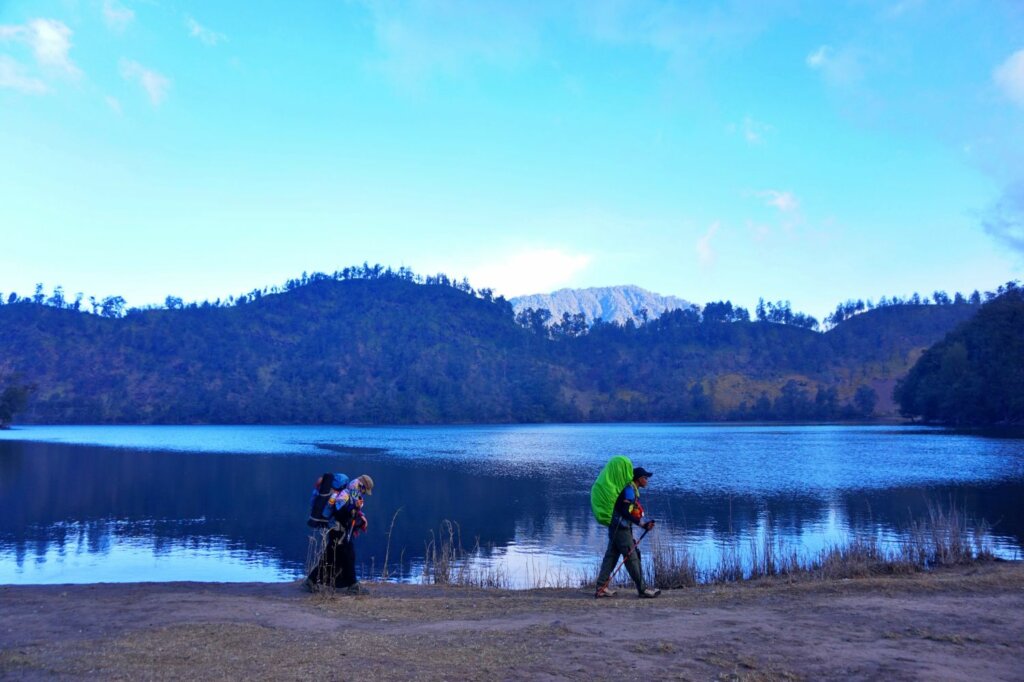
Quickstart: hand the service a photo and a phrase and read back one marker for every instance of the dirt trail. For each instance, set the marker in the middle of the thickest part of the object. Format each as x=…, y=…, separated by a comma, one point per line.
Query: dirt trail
x=957, y=624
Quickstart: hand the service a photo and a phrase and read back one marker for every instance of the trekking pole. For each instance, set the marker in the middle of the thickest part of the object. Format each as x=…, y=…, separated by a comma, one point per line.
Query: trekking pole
x=624, y=560
x=348, y=532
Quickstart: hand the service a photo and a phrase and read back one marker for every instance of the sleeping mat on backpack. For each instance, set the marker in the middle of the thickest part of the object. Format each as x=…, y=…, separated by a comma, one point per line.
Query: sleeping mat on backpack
x=615, y=476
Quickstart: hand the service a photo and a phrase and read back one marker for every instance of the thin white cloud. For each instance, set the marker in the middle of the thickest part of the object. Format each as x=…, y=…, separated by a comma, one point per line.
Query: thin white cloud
x=1004, y=220
x=114, y=104
x=49, y=40
x=203, y=34
x=13, y=76
x=421, y=39
x=155, y=84
x=902, y=8
x=784, y=201
x=705, y=252
x=116, y=15
x=753, y=131
x=682, y=31
x=529, y=271
x=759, y=231
x=819, y=57
x=1009, y=76
x=839, y=67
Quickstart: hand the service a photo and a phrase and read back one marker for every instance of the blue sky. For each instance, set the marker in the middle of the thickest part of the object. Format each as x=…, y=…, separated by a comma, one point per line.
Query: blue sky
x=809, y=151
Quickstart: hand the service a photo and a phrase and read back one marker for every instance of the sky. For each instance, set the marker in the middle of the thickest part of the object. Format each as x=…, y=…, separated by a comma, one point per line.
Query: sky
x=805, y=151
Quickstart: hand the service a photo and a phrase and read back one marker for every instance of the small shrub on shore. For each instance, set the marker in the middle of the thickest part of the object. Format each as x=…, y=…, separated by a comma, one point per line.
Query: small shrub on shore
x=944, y=538
x=445, y=562
x=671, y=567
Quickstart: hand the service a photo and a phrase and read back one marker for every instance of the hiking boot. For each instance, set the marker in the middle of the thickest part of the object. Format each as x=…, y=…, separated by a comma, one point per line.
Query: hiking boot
x=604, y=592
x=649, y=593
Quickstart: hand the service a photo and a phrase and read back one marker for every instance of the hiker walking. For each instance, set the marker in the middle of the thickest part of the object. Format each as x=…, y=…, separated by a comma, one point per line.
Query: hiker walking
x=627, y=512
x=339, y=513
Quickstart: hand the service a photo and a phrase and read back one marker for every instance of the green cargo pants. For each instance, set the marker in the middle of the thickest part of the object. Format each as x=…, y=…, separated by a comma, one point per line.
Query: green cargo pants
x=620, y=542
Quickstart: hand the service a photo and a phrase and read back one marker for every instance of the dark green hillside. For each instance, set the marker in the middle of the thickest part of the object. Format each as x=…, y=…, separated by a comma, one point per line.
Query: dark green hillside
x=886, y=334
x=373, y=346
x=350, y=351
x=878, y=347
x=975, y=375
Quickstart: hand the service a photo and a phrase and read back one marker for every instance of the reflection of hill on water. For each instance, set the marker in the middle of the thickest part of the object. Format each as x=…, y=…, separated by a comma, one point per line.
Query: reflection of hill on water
x=56, y=495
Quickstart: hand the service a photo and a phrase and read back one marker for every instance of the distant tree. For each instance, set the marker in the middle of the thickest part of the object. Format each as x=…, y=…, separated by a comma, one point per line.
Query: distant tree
x=724, y=311
x=112, y=306
x=825, y=402
x=39, y=297
x=570, y=326
x=701, y=405
x=57, y=298
x=534, y=319
x=864, y=401
x=793, y=403
x=13, y=399
x=763, y=407
x=173, y=303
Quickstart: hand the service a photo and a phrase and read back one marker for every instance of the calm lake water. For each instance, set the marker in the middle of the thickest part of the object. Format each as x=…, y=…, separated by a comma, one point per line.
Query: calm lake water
x=228, y=503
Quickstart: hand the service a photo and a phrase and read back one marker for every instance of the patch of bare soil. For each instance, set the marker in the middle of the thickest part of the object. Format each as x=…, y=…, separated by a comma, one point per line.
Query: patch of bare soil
x=965, y=623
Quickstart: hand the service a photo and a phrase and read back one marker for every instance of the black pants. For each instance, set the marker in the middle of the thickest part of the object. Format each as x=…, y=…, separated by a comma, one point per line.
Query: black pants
x=337, y=565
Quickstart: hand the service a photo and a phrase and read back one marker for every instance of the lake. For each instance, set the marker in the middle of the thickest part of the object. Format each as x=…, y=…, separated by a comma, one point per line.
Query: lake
x=81, y=504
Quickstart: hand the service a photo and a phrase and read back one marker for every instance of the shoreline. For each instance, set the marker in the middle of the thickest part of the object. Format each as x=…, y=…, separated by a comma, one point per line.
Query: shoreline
x=965, y=622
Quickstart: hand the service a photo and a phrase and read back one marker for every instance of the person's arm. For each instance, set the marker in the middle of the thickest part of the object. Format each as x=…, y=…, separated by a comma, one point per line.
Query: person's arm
x=626, y=507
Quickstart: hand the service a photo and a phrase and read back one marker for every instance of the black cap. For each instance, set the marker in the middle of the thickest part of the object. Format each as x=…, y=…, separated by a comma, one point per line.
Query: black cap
x=640, y=472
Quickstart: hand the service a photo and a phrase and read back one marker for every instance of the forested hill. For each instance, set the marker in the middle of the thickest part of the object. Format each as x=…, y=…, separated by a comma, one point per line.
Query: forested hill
x=975, y=375
x=397, y=350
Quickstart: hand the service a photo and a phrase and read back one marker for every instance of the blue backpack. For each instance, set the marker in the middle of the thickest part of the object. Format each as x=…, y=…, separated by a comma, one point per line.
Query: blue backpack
x=320, y=512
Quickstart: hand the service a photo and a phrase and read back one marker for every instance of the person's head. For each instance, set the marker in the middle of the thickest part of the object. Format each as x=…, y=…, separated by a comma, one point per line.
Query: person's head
x=365, y=484
x=640, y=476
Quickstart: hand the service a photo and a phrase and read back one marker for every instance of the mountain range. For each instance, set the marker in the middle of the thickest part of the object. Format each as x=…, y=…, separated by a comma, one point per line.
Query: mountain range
x=609, y=304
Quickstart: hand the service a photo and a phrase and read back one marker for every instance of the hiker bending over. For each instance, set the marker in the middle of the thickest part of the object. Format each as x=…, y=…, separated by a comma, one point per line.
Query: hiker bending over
x=628, y=513
x=343, y=519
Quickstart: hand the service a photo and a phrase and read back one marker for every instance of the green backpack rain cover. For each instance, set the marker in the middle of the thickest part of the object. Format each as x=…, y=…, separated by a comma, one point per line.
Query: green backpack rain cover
x=615, y=476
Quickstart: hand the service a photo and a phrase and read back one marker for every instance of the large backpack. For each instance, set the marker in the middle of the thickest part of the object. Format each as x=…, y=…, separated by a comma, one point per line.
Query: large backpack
x=614, y=477
x=319, y=511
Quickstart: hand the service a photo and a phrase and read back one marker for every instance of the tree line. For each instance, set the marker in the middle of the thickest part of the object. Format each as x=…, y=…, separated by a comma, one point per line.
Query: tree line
x=116, y=306
x=370, y=344
x=536, y=320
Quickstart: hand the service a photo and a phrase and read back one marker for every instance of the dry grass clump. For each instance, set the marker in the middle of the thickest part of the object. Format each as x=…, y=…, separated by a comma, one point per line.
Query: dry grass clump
x=445, y=562
x=946, y=537
x=671, y=567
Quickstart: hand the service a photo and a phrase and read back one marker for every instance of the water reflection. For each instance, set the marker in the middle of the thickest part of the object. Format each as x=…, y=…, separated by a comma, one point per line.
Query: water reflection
x=118, y=511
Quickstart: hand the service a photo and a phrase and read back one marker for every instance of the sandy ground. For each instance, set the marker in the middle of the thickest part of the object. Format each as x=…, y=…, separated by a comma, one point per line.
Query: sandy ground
x=954, y=624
